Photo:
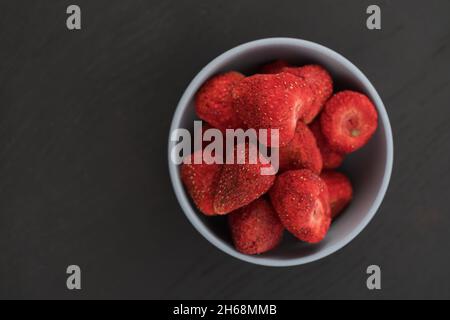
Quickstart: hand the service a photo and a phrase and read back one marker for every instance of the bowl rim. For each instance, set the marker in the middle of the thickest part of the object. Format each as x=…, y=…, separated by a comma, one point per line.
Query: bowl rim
x=182, y=197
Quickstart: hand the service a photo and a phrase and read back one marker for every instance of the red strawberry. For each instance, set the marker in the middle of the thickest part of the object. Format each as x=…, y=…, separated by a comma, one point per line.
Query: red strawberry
x=214, y=103
x=200, y=181
x=255, y=228
x=241, y=184
x=331, y=159
x=271, y=102
x=301, y=200
x=321, y=85
x=340, y=191
x=302, y=152
x=348, y=121
x=274, y=67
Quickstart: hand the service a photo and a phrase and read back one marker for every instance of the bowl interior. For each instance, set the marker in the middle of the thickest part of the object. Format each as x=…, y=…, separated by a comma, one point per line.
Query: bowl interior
x=368, y=168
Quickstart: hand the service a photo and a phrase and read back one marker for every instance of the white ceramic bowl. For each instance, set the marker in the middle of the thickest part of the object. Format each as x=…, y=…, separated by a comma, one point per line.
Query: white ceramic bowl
x=369, y=169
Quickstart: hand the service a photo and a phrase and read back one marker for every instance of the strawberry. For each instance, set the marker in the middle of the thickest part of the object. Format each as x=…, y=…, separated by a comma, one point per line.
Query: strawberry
x=255, y=228
x=340, y=191
x=300, y=198
x=321, y=85
x=302, y=152
x=331, y=159
x=214, y=103
x=200, y=181
x=348, y=121
x=274, y=67
x=271, y=102
x=241, y=184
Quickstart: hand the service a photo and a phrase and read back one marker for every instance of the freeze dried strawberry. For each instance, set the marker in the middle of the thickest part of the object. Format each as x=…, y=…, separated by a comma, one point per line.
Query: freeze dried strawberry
x=214, y=103
x=255, y=228
x=302, y=152
x=200, y=181
x=321, y=85
x=271, y=102
x=339, y=189
x=348, y=121
x=240, y=184
x=331, y=159
x=301, y=200
x=274, y=67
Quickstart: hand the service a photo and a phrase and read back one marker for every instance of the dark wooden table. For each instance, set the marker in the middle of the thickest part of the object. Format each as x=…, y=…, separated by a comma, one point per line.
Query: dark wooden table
x=84, y=123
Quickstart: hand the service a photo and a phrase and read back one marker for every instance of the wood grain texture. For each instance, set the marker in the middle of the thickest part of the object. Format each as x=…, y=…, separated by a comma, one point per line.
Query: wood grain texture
x=84, y=121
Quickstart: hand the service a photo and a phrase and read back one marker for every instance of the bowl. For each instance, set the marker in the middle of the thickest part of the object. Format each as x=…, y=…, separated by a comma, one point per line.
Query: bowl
x=369, y=168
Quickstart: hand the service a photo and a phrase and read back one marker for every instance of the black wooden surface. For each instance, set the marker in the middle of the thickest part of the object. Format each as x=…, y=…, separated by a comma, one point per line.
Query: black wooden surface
x=84, y=121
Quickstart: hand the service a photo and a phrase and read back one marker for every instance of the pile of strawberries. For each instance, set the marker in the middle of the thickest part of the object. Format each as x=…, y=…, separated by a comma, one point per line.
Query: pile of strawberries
x=317, y=129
